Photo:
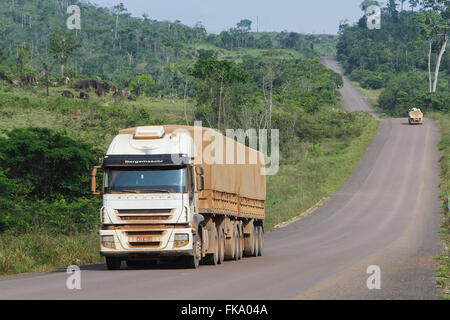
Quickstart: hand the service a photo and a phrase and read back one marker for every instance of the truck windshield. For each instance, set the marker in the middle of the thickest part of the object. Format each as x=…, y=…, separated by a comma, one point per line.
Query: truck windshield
x=152, y=180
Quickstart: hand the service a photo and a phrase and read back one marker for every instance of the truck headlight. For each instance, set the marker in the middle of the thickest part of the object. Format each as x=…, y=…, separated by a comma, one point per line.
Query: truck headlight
x=108, y=242
x=181, y=240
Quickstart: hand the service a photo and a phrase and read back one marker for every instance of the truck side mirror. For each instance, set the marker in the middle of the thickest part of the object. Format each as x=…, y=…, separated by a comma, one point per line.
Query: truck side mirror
x=202, y=183
x=199, y=171
x=201, y=180
x=94, y=180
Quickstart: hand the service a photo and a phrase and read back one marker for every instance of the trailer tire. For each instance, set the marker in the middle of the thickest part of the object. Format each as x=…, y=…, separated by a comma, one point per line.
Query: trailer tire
x=256, y=253
x=260, y=240
x=230, y=247
x=236, y=244
x=113, y=263
x=241, y=243
x=250, y=243
x=221, y=241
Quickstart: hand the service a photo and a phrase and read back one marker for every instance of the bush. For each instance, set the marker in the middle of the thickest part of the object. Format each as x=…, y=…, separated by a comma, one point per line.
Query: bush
x=50, y=162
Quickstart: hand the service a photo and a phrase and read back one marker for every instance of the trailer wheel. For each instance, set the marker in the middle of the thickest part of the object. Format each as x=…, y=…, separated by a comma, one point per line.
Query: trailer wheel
x=113, y=263
x=230, y=246
x=260, y=240
x=241, y=244
x=238, y=250
x=221, y=241
x=256, y=253
x=237, y=245
x=250, y=243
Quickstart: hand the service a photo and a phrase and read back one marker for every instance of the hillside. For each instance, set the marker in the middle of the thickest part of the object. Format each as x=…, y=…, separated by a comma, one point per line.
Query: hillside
x=115, y=46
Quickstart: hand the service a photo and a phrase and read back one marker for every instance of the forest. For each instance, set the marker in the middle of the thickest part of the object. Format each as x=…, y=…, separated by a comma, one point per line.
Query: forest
x=405, y=59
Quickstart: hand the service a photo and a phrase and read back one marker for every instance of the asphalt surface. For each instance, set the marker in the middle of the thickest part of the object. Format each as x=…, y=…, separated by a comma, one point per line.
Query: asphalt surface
x=386, y=214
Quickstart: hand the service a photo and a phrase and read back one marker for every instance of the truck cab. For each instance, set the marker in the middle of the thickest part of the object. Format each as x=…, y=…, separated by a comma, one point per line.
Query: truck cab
x=149, y=197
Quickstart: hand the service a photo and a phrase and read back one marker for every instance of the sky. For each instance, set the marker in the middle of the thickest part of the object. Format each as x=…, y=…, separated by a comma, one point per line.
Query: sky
x=303, y=16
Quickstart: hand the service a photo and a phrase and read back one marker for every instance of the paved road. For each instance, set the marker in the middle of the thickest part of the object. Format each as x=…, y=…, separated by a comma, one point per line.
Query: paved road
x=386, y=214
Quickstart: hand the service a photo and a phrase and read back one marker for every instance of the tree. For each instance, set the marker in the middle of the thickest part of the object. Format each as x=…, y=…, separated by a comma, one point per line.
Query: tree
x=117, y=11
x=2, y=55
x=143, y=84
x=433, y=28
x=245, y=25
x=49, y=162
x=23, y=58
x=62, y=47
x=392, y=8
x=218, y=84
x=48, y=69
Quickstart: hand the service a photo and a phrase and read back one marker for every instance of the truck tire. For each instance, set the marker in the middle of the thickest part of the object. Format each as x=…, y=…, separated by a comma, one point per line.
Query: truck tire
x=250, y=243
x=236, y=244
x=221, y=241
x=213, y=258
x=241, y=244
x=256, y=242
x=113, y=263
x=192, y=262
x=230, y=247
x=260, y=240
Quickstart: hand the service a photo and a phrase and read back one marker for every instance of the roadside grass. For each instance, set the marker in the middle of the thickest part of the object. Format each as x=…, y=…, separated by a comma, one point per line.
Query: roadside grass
x=42, y=252
x=314, y=171
x=443, y=121
x=443, y=276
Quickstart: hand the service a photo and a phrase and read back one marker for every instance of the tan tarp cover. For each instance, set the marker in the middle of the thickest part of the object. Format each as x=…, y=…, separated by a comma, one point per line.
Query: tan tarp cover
x=245, y=180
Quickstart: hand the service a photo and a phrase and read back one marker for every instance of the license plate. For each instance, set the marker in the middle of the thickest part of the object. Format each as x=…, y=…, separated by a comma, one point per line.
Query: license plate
x=142, y=239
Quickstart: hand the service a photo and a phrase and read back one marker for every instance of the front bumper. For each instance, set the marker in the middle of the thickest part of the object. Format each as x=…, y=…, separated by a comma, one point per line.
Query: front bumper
x=133, y=242
x=153, y=254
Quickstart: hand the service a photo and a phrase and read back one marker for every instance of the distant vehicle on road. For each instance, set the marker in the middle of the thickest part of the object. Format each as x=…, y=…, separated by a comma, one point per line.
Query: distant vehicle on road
x=415, y=116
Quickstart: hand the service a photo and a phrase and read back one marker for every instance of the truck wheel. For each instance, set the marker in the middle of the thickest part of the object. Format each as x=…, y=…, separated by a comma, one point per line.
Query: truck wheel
x=238, y=251
x=221, y=241
x=230, y=247
x=256, y=242
x=236, y=245
x=213, y=258
x=260, y=241
x=250, y=244
x=113, y=263
x=241, y=244
x=193, y=262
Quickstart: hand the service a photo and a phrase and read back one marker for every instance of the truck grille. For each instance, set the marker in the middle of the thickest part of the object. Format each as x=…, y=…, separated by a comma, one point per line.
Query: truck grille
x=144, y=215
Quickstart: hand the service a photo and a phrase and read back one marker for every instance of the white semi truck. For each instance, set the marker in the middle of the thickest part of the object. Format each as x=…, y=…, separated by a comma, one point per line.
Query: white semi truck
x=179, y=192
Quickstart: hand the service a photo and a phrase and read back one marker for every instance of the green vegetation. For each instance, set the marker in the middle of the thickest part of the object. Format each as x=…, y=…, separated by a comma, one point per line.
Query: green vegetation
x=400, y=58
x=42, y=252
x=443, y=120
